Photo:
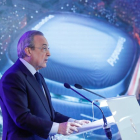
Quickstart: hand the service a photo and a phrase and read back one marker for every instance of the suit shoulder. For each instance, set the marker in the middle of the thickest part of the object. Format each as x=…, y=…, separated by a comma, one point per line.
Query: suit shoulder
x=12, y=72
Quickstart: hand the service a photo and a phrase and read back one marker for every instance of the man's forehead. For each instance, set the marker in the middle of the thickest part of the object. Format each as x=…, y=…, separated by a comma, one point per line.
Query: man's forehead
x=40, y=39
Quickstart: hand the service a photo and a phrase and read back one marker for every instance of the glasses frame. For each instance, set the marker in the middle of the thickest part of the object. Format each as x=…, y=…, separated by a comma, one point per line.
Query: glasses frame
x=44, y=48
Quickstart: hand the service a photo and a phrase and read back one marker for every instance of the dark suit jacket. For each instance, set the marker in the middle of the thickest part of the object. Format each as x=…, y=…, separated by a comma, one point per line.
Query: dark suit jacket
x=27, y=114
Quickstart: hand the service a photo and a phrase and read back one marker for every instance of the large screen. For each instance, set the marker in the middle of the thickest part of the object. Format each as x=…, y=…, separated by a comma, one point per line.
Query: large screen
x=94, y=43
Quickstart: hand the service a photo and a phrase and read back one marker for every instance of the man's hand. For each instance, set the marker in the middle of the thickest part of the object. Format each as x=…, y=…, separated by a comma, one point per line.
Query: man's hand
x=82, y=122
x=67, y=128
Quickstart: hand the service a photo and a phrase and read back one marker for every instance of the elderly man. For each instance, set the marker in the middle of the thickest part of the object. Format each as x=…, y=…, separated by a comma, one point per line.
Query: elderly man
x=27, y=110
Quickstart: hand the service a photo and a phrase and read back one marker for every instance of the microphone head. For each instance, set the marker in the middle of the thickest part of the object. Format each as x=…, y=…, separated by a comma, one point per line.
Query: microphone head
x=78, y=86
x=66, y=85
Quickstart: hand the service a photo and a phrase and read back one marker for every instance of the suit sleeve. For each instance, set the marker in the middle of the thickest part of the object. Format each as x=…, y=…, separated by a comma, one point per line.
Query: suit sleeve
x=59, y=118
x=15, y=98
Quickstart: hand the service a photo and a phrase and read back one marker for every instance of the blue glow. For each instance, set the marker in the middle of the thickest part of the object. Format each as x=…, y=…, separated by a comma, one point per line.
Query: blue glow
x=78, y=41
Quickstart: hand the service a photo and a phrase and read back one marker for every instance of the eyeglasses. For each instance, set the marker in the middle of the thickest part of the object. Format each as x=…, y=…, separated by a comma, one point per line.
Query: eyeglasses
x=45, y=48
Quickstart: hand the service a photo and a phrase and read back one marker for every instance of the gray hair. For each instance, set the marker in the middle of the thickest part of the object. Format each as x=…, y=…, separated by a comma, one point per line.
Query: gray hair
x=26, y=40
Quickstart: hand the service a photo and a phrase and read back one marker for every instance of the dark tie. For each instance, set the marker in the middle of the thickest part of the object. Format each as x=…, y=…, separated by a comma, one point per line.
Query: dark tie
x=38, y=78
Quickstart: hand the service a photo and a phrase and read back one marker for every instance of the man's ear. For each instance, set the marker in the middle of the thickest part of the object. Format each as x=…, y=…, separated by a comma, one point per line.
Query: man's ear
x=27, y=51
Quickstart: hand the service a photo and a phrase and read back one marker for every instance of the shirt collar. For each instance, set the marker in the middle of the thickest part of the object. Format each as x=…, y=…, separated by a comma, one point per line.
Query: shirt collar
x=28, y=66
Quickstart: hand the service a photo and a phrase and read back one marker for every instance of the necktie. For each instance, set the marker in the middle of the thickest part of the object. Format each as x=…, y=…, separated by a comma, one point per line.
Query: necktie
x=38, y=78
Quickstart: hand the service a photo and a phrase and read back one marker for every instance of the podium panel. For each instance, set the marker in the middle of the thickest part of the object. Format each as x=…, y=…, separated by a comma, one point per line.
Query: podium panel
x=126, y=112
x=124, y=122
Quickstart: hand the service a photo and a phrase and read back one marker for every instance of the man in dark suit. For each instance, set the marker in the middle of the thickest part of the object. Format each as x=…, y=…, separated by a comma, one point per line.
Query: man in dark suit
x=27, y=110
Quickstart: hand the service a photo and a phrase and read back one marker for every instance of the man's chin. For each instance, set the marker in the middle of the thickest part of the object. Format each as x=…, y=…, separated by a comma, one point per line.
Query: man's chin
x=43, y=66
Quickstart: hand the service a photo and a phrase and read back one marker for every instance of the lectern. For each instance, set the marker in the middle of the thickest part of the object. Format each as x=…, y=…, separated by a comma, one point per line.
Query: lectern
x=125, y=118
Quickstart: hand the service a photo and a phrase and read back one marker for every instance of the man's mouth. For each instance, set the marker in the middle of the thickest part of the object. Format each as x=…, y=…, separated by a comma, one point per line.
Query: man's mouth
x=46, y=60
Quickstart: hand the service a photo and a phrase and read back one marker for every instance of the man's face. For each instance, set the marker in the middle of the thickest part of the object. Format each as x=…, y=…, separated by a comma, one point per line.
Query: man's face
x=39, y=55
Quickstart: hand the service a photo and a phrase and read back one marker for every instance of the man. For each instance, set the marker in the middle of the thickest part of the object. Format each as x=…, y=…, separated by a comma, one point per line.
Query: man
x=25, y=100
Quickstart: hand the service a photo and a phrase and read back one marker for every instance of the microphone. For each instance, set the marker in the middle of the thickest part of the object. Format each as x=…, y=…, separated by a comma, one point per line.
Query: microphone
x=80, y=87
x=68, y=86
x=106, y=127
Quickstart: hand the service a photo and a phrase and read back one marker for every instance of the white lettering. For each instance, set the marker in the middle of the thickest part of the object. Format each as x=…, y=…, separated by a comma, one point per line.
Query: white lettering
x=115, y=55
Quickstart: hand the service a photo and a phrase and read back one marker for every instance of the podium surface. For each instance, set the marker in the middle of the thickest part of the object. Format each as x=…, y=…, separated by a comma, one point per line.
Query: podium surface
x=86, y=132
x=124, y=122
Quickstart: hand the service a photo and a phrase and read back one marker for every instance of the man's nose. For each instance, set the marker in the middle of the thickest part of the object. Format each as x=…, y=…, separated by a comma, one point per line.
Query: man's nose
x=48, y=53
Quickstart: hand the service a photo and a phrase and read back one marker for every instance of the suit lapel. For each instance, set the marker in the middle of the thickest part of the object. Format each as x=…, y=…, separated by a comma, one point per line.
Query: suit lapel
x=40, y=93
x=35, y=85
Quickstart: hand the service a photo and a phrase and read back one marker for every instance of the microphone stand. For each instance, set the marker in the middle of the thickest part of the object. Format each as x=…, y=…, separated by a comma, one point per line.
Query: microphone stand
x=106, y=128
x=104, y=118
